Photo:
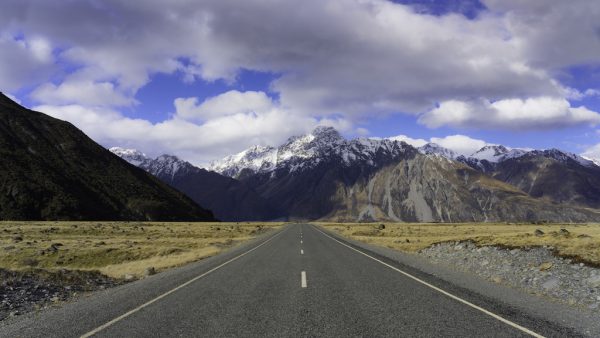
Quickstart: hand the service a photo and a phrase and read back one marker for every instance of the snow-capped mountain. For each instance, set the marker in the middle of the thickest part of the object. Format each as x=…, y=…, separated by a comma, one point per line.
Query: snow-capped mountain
x=322, y=175
x=306, y=151
x=497, y=153
x=229, y=199
x=255, y=159
x=563, y=156
x=164, y=165
x=436, y=149
x=132, y=156
x=486, y=158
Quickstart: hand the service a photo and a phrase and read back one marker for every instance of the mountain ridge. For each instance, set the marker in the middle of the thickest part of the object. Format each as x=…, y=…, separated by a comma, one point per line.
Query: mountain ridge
x=228, y=198
x=50, y=170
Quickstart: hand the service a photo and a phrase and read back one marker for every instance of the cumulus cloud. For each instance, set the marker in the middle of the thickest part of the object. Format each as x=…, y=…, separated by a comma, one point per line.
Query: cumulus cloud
x=531, y=113
x=229, y=103
x=23, y=62
x=460, y=144
x=593, y=153
x=83, y=92
x=415, y=142
x=353, y=57
x=195, y=142
x=336, y=62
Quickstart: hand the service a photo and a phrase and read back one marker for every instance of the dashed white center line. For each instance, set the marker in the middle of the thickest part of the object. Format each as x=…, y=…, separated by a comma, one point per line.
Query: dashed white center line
x=303, y=279
x=301, y=252
x=300, y=241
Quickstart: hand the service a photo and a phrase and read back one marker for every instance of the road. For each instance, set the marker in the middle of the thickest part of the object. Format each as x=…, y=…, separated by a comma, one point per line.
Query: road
x=298, y=282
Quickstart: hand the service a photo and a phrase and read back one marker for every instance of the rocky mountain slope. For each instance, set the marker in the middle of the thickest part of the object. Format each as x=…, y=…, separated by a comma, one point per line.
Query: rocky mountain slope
x=554, y=175
x=323, y=176
x=228, y=198
x=50, y=170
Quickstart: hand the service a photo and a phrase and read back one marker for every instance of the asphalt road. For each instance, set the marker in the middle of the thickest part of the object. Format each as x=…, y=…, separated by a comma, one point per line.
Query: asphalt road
x=298, y=282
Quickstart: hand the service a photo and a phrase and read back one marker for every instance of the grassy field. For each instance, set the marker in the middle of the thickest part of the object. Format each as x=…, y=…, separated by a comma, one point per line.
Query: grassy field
x=578, y=241
x=117, y=249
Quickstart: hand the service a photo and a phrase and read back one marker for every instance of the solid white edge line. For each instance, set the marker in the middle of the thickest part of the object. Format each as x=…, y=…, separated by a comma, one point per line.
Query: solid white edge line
x=502, y=319
x=303, y=279
x=130, y=312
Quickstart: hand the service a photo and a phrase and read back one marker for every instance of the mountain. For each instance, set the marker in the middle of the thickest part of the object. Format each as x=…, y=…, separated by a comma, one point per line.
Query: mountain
x=50, y=170
x=321, y=175
x=552, y=174
x=228, y=198
x=435, y=149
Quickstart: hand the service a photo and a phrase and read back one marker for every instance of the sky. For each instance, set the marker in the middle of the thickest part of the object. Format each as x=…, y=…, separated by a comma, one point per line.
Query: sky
x=205, y=79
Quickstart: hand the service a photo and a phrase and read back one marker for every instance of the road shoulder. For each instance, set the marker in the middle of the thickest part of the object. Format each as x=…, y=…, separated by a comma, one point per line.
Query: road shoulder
x=481, y=290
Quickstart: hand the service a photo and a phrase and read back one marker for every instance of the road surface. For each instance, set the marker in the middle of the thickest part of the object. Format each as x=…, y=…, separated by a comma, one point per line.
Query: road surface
x=297, y=282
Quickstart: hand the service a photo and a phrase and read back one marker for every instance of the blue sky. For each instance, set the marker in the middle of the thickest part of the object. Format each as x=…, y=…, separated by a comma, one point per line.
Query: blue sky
x=206, y=79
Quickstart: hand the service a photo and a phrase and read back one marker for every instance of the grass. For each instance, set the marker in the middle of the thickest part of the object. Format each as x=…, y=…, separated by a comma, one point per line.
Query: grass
x=580, y=242
x=117, y=249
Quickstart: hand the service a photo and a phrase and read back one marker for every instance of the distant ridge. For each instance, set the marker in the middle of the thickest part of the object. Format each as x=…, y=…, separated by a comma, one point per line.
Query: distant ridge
x=228, y=198
x=321, y=175
x=50, y=170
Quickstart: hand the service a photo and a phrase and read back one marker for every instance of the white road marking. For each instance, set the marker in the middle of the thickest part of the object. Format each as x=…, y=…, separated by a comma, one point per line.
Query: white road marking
x=504, y=320
x=301, y=252
x=303, y=279
x=300, y=241
x=129, y=313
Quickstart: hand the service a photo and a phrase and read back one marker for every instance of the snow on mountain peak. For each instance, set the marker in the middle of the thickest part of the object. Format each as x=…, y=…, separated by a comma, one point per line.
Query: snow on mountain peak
x=437, y=150
x=303, y=151
x=563, y=156
x=132, y=156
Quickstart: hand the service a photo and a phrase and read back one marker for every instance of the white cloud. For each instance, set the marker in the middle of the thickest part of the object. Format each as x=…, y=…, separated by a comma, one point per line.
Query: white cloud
x=355, y=58
x=336, y=62
x=460, y=144
x=198, y=143
x=574, y=94
x=229, y=103
x=531, y=113
x=23, y=62
x=82, y=92
x=418, y=142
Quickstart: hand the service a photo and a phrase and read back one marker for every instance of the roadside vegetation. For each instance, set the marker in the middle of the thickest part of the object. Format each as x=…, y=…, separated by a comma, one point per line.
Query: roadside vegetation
x=121, y=250
x=580, y=242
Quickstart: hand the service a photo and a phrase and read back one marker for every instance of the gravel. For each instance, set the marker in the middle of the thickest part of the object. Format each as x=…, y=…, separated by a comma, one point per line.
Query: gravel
x=536, y=270
x=26, y=291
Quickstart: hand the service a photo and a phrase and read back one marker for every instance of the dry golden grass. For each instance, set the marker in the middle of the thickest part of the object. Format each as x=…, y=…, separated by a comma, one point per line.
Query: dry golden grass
x=581, y=241
x=117, y=248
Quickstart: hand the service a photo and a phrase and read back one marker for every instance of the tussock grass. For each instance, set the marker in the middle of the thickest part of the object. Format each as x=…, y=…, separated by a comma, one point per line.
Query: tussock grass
x=580, y=241
x=117, y=249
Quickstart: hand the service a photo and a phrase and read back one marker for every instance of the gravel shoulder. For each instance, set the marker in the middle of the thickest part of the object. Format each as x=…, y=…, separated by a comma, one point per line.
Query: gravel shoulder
x=447, y=264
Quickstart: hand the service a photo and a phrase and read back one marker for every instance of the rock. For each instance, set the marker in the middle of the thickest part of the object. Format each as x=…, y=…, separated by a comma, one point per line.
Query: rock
x=551, y=284
x=594, y=281
x=563, y=232
x=150, y=271
x=17, y=239
x=129, y=277
x=538, y=232
x=545, y=266
x=381, y=226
